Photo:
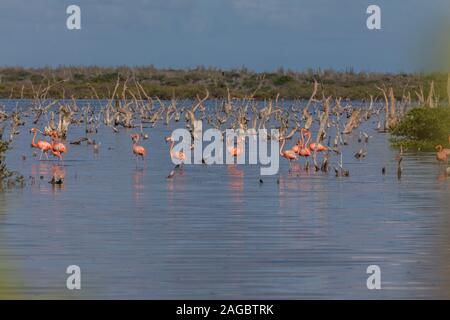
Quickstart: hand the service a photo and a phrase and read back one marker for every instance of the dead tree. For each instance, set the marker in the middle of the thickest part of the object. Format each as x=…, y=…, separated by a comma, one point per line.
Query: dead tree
x=65, y=118
x=353, y=121
x=323, y=122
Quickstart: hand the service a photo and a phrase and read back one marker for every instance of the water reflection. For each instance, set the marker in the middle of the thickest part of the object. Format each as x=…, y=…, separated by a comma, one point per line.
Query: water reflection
x=138, y=185
x=9, y=276
x=41, y=168
x=236, y=184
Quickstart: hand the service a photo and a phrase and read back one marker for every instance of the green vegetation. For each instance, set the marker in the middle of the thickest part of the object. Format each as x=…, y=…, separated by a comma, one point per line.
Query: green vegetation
x=16, y=82
x=10, y=178
x=3, y=171
x=423, y=128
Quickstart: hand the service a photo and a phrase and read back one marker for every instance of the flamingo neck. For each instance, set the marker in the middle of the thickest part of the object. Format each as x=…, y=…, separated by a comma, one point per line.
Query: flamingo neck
x=302, y=142
x=33, y=143
x=309, y=138
x=171, y=147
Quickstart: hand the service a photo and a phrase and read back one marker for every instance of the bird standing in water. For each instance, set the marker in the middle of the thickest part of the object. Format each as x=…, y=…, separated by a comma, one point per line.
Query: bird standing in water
x=138, y=151
x=287, y=154
x=58, y=148
x=304, y=150
x=173, y=154
x=319, y=147
x=313, y=146
x=298, y=146
x=43, y=145
x=442, y=154
x=235, y=151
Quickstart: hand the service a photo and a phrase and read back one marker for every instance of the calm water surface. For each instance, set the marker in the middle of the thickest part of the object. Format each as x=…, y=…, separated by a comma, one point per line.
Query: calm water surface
x=216, y=232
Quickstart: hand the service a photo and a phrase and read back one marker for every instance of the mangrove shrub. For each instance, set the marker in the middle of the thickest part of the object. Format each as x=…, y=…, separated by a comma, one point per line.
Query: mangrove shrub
x=423, y=128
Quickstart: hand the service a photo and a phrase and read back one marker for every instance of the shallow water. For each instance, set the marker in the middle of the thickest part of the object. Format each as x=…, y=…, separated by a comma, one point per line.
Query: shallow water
x=216, y=232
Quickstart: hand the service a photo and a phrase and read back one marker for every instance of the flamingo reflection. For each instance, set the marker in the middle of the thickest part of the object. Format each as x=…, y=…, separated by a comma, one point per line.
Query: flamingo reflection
x=138, y=184
x=236, y=184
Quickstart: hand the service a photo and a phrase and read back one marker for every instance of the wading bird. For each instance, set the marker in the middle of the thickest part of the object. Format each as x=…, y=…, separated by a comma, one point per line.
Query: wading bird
x=298, y=146
x=43, y=145
x=313, y=146
x=235, y=151
x=305, y=150
x=138, y=151
x=173, y=154
x=318, y=147
x=58, y=148
x=287, y=154
x=442, y=154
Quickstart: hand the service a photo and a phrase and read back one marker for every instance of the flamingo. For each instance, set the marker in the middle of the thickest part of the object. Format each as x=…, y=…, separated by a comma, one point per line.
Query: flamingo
x=305, y=150
x=235, y=151
x=287, y=154
x=173, y=154
x=313, y=146
x=442, y=154
x=43, y=145
x=299, y=145
x=58, y=148
x=296, y=148
x=319, y=147
x=137, y=149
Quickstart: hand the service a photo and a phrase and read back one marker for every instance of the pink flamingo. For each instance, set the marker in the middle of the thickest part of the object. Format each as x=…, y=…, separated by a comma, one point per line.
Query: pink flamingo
x=313, y=146
x=442, y=154
x=138, y=151
x=177, y=155
x=287, y=154
x=43, y=145
x=57, y=147
x=305, y=150
x=235, y=151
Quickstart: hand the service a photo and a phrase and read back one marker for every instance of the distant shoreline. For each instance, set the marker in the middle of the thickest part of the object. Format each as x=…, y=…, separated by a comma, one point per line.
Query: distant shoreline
x=92, y=82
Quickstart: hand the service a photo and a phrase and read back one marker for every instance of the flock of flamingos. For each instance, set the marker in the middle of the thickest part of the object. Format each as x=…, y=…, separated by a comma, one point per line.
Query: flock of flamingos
x=301, y=148
x=58, y=149
x=291, y=122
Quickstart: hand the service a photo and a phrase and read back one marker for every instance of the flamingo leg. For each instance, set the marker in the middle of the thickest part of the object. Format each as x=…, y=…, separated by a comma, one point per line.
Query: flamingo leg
x=40, y=157
x=59, y=156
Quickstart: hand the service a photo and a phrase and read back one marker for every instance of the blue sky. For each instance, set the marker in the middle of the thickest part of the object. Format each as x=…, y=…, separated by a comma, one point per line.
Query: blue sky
x=259, y=34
